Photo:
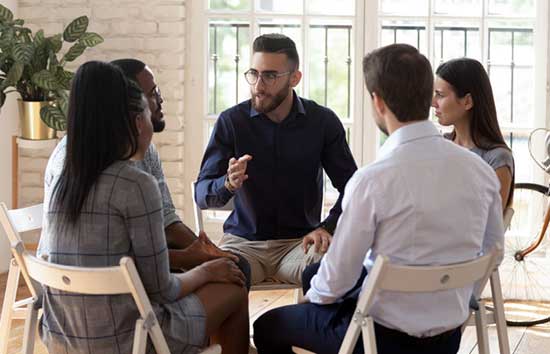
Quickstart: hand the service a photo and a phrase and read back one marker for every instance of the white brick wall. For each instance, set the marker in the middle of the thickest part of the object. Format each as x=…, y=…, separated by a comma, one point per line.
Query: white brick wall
x=151, y=30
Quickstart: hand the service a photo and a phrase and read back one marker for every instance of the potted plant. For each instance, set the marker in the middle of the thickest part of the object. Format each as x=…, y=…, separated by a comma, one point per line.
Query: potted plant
x=29, y=64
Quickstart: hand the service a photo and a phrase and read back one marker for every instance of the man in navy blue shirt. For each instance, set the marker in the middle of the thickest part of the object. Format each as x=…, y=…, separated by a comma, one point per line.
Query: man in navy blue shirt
x=268, y=154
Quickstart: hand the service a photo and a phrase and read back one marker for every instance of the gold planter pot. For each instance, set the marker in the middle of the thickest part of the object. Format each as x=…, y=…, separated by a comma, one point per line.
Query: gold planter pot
x=32, y=126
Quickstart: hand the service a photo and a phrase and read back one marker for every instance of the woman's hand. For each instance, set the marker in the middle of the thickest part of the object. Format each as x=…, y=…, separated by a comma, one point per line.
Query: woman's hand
x=222, y=270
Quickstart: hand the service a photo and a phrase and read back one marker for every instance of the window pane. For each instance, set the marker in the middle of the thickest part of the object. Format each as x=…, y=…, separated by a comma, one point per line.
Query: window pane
x=404, y=32
x=501, y=81
x=517, y=140
x=231, y=5
x=524, y=109
x=524, y=53
x=286, y=6
x=330, y=67
x=455, y=42
x=458, y=7
x=229, y=57
x=500, y=46
x=404, y=7
x=341, y=7
x=512, y=7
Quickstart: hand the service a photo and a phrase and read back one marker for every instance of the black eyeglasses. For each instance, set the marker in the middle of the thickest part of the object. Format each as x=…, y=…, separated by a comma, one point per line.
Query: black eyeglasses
x=155, y=93
x=268, y=77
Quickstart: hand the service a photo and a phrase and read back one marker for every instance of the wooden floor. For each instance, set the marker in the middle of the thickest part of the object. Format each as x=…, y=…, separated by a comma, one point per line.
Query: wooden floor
x=533, y=340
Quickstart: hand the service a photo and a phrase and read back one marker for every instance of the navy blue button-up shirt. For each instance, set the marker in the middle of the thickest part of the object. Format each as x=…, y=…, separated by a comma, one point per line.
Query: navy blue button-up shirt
x=282, y=198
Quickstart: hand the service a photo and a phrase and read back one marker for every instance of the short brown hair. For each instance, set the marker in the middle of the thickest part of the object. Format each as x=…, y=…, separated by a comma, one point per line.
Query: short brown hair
x=277, y=43
x=403, y=78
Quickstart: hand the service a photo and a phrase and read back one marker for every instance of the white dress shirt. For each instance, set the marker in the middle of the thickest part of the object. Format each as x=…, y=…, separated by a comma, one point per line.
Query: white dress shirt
x=424, y=201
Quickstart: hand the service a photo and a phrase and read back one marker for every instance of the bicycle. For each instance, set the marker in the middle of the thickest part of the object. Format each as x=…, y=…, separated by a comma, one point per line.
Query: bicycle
x=525, y=269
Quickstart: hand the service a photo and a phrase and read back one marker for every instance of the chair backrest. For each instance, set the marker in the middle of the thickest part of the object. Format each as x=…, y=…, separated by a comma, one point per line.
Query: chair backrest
x=198, y=212
x=21, y=220
x=122, y=279
x=391, y=277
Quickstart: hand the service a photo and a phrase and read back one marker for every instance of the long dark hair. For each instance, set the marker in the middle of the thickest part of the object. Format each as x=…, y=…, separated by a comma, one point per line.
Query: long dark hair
x=100, y=131
x=467, y=76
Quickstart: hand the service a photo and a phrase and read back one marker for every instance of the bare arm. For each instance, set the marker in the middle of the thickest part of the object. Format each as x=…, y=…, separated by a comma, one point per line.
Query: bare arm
x=505, y=178
x=179, y=236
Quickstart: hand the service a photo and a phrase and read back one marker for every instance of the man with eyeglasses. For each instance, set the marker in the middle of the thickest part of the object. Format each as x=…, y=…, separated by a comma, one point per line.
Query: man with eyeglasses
x=186, y=249
x=268, y=155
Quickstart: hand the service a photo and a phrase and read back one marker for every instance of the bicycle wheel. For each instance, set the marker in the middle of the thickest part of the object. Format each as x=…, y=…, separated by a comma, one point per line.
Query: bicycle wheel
x=526, y=279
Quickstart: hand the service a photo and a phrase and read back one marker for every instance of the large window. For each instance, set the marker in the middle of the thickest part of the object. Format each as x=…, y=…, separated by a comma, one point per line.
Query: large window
x=324, y=33
x=332, y=37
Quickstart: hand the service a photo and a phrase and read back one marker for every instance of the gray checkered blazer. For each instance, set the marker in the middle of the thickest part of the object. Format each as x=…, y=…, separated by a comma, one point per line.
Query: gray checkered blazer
x=122, y=216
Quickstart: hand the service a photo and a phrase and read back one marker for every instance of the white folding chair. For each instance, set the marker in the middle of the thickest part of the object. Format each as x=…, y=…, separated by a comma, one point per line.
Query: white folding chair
x=122, y=279
x=390, y=277
x=15, y=222
x=266, y=285
x=496, y=315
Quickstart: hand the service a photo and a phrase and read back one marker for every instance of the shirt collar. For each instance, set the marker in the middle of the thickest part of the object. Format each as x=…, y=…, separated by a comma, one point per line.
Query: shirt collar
x=297, y=106
x=408, y=133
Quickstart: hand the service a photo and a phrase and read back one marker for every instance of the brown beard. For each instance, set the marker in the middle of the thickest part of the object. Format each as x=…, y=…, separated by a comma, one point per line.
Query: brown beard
x=274, y=102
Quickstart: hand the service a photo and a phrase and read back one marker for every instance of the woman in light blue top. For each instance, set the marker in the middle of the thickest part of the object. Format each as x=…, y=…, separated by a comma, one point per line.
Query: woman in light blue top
x=464, y=99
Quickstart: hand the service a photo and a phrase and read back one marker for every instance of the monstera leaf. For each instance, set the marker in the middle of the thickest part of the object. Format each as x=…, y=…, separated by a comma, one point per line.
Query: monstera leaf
x=75, y=29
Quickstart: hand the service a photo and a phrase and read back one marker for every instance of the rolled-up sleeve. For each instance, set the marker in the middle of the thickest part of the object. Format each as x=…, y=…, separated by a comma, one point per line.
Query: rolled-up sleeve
x=145, y=226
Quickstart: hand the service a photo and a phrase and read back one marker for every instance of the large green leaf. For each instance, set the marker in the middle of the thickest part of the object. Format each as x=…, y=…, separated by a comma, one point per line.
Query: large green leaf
x=14, y=74
x=23, y=52
x=2, y=98
x=64, y=77
x=39, y=38
x=55, y=43
x=74, y=52
x=63, y=101
x=91, y=39
x=45, y=80
x=5, y=14
x=75, y=29
x=53, y=117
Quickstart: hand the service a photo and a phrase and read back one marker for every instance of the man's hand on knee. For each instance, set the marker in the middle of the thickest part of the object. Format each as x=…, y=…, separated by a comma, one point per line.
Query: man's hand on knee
x=208, y=250
x=319, y=238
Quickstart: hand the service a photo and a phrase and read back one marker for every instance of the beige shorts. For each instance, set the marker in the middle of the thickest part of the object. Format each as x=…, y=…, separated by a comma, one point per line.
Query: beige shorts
x=282, y=260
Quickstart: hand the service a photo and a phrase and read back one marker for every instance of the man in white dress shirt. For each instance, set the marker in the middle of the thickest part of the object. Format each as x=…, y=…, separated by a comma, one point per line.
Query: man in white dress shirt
x=424, y=201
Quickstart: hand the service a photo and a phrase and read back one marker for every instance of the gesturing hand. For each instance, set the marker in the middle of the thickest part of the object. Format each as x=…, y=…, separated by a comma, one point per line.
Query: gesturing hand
x=236, y=172
x=223, y=270
x=320, y=238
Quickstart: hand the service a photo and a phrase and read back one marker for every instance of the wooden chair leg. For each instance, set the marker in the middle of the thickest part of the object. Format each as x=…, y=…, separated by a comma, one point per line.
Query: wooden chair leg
x=29, y=333
x=298, y=295
x=7, y=307
x=140, y=338
x=369, y=338
x=481, y=329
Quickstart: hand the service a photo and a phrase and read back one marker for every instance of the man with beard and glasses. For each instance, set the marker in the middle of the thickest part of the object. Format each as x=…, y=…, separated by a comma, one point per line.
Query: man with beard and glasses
x=186, y=249
x=268, y=155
